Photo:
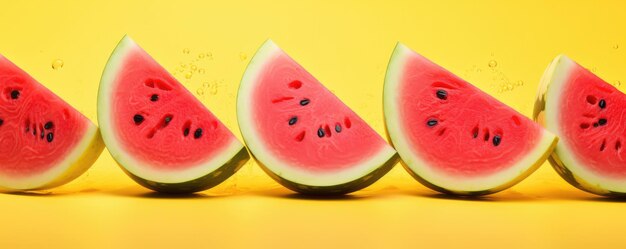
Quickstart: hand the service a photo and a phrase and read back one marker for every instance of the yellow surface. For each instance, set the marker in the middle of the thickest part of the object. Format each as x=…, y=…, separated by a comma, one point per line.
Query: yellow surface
x=346, y=45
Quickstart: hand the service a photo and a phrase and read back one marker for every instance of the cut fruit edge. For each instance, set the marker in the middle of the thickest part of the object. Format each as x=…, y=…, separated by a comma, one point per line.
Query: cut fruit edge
x=265, y=54
x=131, y=164
x=85, y=152
x=563, y=159
x=428, y=174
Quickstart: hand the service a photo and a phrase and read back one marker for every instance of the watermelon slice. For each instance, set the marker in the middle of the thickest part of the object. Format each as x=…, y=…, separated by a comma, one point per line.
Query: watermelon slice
x=301, y=134
x=157, y=131
x=44, y=142
x=588, y=115
x=453, y=137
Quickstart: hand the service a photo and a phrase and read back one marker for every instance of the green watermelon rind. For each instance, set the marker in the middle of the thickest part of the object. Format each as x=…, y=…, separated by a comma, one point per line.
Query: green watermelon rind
x=426, y=173
x=563, y=159
x=201, y=183
x=227, y=161
x=357, y=177
x=338, y=189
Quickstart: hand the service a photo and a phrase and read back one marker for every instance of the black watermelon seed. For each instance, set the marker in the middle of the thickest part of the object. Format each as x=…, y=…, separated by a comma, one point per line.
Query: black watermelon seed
x=602, y=103
x=15, y=94
x=154, y=97
x=41, y=135
x=138, y=119
x=442, y=94
x=432, y=122
x=197, y=133
x=320, y=132
x=186, y=132
x=304, y=102
x=595, y=124
x=475, y=132
x=167, y=119
x=293, y=120
x=49, y=137
x=602, y=121
x=338, y=128
x=48, y=125
x=1, y=122
x=496, y=140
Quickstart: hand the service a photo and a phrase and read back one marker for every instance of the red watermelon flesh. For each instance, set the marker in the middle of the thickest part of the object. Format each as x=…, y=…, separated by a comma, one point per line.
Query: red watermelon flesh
x=158, y=132
x=41, y=136
x=297, y=112
x=588, y=115
x=176, y=130
x=591, y=120
x=474, y=134
x=454, y=137
x=301, y=133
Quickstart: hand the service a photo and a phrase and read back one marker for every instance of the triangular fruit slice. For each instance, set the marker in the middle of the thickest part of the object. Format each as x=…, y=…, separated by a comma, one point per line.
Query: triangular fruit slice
x=44, y=142
x=453, y=137
x=157, y=131
x=301, y=134
x=588, y=115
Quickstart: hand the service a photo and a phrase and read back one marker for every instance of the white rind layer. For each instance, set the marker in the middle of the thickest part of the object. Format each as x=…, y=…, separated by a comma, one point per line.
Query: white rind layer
x=66, y=170
x=134, y=165
x=430, y=172
x=268, y=51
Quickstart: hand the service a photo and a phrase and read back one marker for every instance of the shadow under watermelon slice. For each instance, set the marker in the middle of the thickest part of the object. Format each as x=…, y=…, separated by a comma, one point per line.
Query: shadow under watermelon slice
x=301, y=134
x=453, y=137
x=157, y=131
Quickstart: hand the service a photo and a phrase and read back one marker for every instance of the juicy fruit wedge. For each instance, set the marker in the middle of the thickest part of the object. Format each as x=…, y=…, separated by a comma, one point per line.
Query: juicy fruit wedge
x=453, y=137
x=588, y=115
x=301, y=134
x=44, y=142
x=157, y=131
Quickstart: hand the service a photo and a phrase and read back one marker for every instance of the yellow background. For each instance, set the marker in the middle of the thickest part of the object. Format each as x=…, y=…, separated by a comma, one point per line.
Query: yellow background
x=346, y=44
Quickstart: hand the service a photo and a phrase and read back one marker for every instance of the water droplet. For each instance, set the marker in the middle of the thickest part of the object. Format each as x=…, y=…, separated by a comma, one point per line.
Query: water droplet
x=194, y=68
x=213, y=88
x=206, y=85
x=616, y=46
x=183, y=65
x=181, y=69
x=519, y=83
x=188, y=75
x=243, y=56
x=509, y=87
x=478, y=70
x=201, y=70
x=209, y=55
x=186, y=51
x=493, y=63
x=594, y=69
x=201, y=56
x=57, y=64
x=200, y=91
x=618, y=83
